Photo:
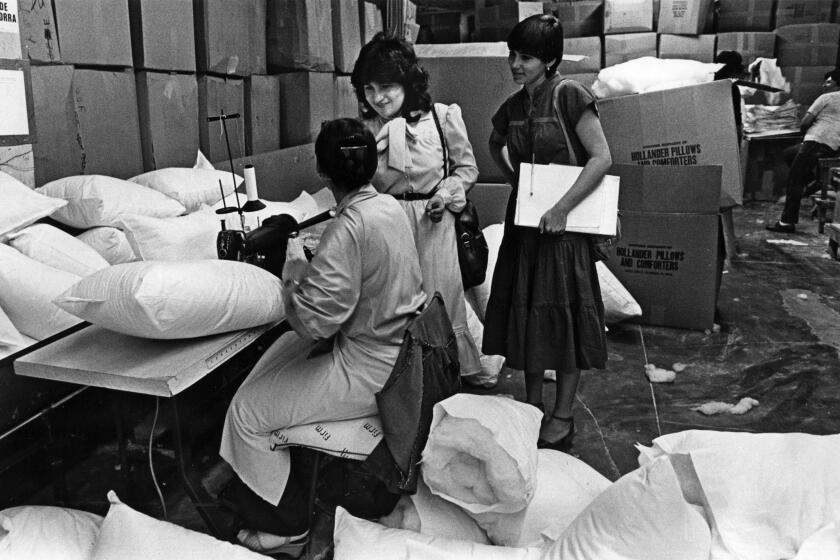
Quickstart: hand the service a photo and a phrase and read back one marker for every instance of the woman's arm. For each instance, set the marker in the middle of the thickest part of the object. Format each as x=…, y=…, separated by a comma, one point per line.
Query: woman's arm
x=497, y=145
x=594, y=142
x=463, y=172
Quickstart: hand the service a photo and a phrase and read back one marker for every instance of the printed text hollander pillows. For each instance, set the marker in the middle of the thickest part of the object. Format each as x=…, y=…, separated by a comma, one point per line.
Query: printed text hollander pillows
x=168, y=300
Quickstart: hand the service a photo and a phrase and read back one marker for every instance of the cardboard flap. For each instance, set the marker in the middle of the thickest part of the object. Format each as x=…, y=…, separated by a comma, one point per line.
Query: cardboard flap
x=645, y=188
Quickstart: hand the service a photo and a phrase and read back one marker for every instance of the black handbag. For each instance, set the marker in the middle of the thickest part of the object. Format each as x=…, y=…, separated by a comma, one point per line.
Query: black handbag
x=473, y=251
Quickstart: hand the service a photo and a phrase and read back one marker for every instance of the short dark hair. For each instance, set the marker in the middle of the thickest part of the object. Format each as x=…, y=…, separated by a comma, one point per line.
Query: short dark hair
x=345, y=151
x=386, y=59
x=733, y=65
x=834, y=75
x=540, y=36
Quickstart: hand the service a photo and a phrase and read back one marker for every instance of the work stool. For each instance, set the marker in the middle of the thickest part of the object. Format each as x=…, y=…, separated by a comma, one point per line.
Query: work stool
x=828, y=177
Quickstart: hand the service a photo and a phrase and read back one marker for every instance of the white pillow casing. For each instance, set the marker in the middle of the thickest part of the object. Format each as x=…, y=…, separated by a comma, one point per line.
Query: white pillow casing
x=27, y=290
x=358, y=539
x=201, y=161
x=173, y=300
x=192, y=187
x=565, y=487
x=433, y=551
x=190, y=237
x=127, y=534
x=48, y=533
x=99, y=200
x=619, y=304
x=11, y=340
x=49, y=245
x=642, y=515
x=21, y=206
x=110, y=242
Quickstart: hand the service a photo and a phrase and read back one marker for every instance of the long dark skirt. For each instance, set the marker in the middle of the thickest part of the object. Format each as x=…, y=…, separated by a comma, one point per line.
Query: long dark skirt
x=545, y=309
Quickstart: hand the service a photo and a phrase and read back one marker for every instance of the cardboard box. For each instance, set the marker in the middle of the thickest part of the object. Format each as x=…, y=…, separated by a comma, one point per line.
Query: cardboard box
x=87, y=123
x=345, y=100
x=688, y=47
x=94, y=33
x=262, y=114
x=495, y=22
x=38, y=37
x=738, y=15
x=9, y=30
x=258, y=23
x=667, y=257
x=586, y=79
x=681, y=127
x=347, y=34
x=299, y=35
x=19, y=162
x=370, y=20
x=442, y=27
x=628, y=46
x=789, y=12
x=281, y=174
x=586, y=46
x=162, y=34
x=306, y=100
x=810, y=44
x=583, y=18
x=215, y=96
x=628, y=16
x=751, y=44
x=805, y=82
x=222, y=36
x=477, y=77
x=168, y=108
x=683, y=17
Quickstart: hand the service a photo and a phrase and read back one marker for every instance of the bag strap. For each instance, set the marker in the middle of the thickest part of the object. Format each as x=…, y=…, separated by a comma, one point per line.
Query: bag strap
x=562, y=119
x=442, y=142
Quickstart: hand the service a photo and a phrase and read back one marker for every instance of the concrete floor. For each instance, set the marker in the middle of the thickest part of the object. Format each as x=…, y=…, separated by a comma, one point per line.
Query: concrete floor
x=777, y=342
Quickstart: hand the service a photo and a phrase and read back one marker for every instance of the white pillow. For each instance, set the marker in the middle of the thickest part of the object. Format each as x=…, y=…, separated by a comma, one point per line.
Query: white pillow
x=432, y=551
x=48, y=533
x=99, y=200
x=161, y=299
x=357, y=539
x=619, y=304
x=27, y=289
x=301, y=208
x=49, y=245
x=21, y=206
x=201, y=161
x=127, y=534
x=642, y=515
x=565, y=487
x=10, y=338
x=190, y=237
x=110, y=242
x=190, y=186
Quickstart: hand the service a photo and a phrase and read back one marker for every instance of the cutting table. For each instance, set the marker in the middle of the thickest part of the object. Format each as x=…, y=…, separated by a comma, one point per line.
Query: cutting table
x=97, y=357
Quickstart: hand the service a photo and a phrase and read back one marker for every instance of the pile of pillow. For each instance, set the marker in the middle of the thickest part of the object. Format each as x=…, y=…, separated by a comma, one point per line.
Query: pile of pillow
x=50, y=533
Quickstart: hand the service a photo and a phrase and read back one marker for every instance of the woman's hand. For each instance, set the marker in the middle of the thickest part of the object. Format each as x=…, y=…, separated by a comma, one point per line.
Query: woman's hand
x=293, y=272
x=554, y=221
x=435, y=208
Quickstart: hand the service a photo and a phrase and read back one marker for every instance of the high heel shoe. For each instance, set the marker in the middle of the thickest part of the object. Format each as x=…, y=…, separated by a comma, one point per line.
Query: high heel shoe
x=565, y=442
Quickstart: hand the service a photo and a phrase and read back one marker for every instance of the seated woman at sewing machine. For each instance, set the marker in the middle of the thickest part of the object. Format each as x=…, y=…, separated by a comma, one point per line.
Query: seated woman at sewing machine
x=361, y=289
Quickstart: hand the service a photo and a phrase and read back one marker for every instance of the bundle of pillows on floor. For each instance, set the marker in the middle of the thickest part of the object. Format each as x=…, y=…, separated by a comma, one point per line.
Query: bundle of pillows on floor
x=145, y=252
x=489, y=494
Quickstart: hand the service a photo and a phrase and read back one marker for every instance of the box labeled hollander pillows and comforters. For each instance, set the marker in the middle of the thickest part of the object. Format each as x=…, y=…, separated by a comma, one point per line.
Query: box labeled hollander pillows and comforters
x=668, y=252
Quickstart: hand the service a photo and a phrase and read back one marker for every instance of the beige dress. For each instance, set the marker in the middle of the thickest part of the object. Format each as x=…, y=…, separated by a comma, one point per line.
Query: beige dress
x=363, y=286
x=411, y=160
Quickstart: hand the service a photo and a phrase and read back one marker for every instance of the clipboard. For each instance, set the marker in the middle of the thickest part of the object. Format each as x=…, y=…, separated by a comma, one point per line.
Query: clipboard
x=539, y=190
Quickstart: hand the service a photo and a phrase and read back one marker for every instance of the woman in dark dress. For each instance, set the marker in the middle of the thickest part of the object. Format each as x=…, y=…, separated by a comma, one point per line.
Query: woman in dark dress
x=545, y=309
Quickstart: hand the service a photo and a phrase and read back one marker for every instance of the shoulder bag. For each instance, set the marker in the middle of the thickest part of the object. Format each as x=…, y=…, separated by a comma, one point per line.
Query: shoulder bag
x=472, y=247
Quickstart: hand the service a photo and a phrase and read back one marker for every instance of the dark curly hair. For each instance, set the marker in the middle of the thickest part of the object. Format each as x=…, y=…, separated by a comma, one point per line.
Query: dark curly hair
x=384, y=60
x=833, y=74
x=345, y=151
x=540, y=36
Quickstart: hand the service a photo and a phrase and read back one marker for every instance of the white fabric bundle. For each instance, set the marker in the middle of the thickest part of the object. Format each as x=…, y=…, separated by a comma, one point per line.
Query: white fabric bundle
x=192, y=187
x=190, y=237
x=768, y=493
x=642, y=515
x=21, y=206
x=481, y=454
x=649, y=73
x=47, y=533
x=161, y=299
x=619, y=304
x=110, y=242
x=49, y=245
x=11, y=340
x=565, y=487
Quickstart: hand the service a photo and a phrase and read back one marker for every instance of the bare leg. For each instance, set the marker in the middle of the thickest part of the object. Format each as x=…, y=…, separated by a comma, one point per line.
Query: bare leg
x=567, y=384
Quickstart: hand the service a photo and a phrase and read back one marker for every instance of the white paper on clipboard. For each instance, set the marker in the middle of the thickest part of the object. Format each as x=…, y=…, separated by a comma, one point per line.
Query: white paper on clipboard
x=596, y=214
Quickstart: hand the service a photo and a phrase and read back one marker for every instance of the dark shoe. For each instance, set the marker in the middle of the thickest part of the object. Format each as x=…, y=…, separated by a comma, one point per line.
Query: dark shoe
x=565, y=442
x=782, y=228
x=265, y=543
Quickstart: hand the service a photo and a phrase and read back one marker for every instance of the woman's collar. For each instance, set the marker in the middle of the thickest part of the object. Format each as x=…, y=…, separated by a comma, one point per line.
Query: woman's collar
x=362, y=193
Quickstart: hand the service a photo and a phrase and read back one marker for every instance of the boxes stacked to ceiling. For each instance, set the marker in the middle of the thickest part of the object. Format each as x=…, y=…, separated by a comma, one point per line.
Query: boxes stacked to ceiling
x=118, y=88
x=18, y=131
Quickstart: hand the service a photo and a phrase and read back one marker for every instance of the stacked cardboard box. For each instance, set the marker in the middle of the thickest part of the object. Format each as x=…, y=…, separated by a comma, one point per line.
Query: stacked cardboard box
x=737, y=15
x=493, y=22
x=751, y=44
x=168, y=111
x=688, y=47
x=262, y=113
x=627, y=46
x=16, y=118
x=583, y=18
x=790, y=12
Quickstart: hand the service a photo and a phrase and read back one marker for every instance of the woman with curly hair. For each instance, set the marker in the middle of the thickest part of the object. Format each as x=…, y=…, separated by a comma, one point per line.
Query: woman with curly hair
x=545, y=309
x=426, y=162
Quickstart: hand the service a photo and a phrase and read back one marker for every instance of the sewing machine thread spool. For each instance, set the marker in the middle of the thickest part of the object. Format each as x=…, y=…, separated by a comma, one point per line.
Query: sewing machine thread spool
x=253, y=203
